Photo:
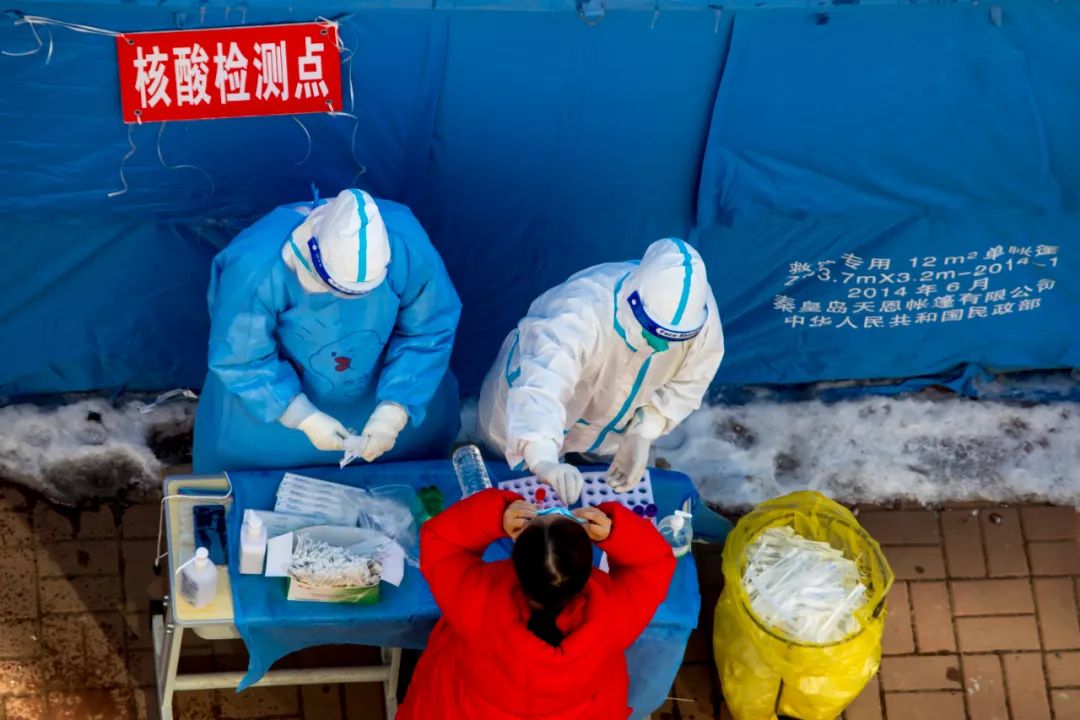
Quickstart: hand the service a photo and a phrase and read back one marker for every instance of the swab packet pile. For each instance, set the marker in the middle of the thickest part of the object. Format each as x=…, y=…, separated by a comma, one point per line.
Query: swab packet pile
x=807, y=590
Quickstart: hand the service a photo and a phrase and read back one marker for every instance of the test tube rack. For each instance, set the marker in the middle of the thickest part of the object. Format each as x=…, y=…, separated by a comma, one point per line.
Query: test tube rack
x=596, y=491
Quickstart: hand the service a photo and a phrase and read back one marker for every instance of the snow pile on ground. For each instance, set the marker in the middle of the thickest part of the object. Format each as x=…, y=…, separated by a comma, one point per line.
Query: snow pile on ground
x=91, y=448
x=879, y=449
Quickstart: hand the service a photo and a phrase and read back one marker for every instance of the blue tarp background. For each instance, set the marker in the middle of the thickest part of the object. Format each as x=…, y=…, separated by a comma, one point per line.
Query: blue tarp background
x=531, y=144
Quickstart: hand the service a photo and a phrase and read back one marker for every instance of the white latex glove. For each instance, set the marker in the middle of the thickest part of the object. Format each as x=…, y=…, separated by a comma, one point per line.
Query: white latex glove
x=382, y=429
x=628, y=466
x=542, y=457
x=324, y=431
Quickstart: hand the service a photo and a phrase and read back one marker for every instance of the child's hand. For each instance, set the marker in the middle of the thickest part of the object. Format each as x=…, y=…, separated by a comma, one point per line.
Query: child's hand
x=597, y=524
x=516, y=517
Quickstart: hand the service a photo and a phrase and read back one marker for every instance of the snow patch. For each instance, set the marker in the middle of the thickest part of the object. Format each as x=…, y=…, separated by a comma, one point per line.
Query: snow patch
x=929, y=450
x=90, y=448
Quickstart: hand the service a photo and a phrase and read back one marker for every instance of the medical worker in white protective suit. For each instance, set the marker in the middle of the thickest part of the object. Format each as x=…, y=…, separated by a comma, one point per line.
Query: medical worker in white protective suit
x=605, y=363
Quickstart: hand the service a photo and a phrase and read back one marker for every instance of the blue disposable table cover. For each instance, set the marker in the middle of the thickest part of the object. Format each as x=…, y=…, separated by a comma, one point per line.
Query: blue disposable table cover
x=273, y=627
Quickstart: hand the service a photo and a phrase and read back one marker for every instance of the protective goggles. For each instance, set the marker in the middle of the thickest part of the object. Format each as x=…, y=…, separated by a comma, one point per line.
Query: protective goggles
x=656, y=329
x=320, y=270
x=560, y=511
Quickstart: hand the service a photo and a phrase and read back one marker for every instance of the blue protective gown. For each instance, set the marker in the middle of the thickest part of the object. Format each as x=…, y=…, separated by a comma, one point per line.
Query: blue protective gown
x=270, y=340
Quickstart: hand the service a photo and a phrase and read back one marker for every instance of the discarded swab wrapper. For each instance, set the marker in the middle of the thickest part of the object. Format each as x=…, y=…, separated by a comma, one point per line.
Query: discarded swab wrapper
x=354, y=449
x=805, y=588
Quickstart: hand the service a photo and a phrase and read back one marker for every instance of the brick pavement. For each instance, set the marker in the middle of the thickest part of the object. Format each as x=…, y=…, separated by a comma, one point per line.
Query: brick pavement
x=983, y=624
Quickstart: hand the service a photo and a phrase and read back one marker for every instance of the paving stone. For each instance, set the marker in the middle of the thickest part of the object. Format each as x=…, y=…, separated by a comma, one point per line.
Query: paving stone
x=868, y=705
x=936, y=705
x=18, y=585
x=146, y=707
x=1057, y=613
x=50, y=526
x=1005, y=554
x=16, y=530
x=12, y=498
x=1026, y=686
x=1003, y=633
x=76, y=595
x=140, y=522
x=92, y=705
x=913, y=527
x=912, y=562
x=363, y=701
x=1049, y=523
x=202, y=705
x=919, y=672
x=261, y=702
x=1063, y=669
x=18, y=639
x=984, y=684
x=322, y=702
x=138, y=631
x=20, y=677
x=963, y=543
x=62, y=661
x=1066, y=704
x=1058, y=558
x=933, y=621
x=898, y=638
x=695, y=683
x=103, y=638
x=24, y=708
x=992, y=597
x=141, y=583
x=79, y=557
x=140, y=669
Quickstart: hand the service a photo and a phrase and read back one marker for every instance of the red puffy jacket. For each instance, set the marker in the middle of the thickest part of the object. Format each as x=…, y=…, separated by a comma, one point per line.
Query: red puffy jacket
x=483, y=663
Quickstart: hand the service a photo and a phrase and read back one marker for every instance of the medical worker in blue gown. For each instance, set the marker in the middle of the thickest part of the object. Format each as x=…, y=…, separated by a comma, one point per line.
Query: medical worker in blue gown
x=327, y=322
x=605, y=363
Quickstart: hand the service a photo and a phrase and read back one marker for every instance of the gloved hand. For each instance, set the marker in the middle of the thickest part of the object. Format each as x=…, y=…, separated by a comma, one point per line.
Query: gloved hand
x=382, y=429
x=628, y=466
x=324, y=431
x=542, y=457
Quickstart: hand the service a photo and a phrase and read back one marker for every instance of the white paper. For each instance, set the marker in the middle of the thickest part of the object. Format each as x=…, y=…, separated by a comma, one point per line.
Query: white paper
x=393, y=564
x=604, y=563
x=279, y=555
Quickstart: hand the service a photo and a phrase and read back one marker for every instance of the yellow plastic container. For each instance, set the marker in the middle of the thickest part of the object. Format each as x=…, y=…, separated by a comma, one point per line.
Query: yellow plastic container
x=764, y=674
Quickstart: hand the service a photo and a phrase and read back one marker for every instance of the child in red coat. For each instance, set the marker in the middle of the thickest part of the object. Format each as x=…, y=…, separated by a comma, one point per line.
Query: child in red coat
x=541, y=635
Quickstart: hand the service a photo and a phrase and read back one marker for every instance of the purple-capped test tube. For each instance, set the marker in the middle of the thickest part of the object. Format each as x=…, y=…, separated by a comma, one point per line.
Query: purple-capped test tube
x=639, y=510
x=651, y=510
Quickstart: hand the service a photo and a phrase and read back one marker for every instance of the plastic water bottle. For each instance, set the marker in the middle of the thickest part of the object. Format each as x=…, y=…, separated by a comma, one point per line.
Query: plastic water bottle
x=198, y=579
x=678, y=532
x=470, y=470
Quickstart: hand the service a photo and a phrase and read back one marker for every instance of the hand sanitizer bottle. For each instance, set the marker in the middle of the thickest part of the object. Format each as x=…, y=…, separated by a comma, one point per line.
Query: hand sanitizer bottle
x=470, y=469
x=252, y=544
x=198, y=579
x=678, y=532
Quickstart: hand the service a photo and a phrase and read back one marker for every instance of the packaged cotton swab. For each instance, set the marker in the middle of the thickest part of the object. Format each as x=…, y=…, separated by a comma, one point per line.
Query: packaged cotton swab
x=807, y=589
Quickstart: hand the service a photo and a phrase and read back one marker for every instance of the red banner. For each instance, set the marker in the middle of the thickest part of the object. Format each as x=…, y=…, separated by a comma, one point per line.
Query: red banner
x=229, y=72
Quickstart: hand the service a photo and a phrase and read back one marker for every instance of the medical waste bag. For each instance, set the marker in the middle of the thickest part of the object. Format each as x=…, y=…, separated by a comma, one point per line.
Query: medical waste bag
x=765, y=675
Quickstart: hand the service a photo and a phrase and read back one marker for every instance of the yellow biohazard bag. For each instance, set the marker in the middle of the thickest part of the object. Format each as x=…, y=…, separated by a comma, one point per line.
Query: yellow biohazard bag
x=765, y=675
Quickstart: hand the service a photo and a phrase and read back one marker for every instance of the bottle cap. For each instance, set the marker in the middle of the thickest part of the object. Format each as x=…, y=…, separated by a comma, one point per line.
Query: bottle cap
x=202, y=556
x=254, y=522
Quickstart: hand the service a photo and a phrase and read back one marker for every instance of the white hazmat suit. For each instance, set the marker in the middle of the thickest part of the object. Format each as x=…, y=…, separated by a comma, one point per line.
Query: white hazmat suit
x=589, y=370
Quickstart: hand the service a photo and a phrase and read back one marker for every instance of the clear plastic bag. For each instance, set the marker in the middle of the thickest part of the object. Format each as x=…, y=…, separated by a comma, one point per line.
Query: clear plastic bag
x=392, y=510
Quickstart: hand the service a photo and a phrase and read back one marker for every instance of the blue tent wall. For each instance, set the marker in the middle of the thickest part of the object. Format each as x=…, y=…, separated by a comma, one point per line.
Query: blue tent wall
x=532, y=144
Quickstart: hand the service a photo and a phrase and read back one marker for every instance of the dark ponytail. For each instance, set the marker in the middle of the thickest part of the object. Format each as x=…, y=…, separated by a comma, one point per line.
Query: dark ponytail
x=553, y=561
